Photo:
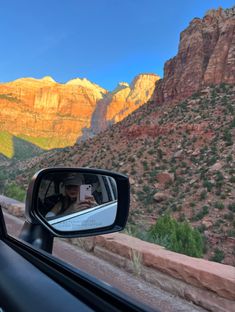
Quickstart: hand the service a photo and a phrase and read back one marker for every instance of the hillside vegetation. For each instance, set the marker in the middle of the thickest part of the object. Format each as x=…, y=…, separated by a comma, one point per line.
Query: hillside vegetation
x=180, y=160
x=17, y=148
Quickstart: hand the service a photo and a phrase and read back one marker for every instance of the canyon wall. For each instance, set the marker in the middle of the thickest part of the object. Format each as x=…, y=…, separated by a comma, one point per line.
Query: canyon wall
x=206, y=56
x=125, y=99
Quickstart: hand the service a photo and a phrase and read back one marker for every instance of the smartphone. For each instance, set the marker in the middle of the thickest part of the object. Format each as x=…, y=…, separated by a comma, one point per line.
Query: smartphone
x=85, y=191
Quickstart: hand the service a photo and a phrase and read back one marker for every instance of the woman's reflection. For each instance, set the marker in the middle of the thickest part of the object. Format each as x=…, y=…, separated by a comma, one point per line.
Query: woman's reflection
x=73, y=199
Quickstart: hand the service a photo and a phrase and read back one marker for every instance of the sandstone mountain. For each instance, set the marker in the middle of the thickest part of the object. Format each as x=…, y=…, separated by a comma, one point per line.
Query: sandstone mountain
x=206, y=56
x=47, y=113
x=52, y=115
x=179, y=154
x=125, y=99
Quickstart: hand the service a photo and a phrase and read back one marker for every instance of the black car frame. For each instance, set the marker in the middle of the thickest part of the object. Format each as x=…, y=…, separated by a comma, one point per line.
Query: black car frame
x=33, y=279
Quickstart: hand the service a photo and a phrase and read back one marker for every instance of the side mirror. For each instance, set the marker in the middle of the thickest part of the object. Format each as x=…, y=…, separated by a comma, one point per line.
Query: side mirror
x=78, y=202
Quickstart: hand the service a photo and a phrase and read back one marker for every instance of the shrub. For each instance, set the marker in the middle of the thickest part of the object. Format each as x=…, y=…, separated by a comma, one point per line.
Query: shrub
x=227, y=137
x=201, y=214
x=201, y=228
x=203, y=195
x=177, y=236
x=146, y=196
x=232, y=179
x=3, y=178
x=151, y=152
x=133, y=172
x=14, y=191
x=229, y=158
x=3, y=175
x=219, y=180
x=231, y=207
x=160, y=153
x=219, y=176
x=231, y=233
x=219, y=205
x=218, y=255
x=229, y=216
x=223, y=88
x=212, y=160
x=208, y=185
x=232, y=125
x=182, y=217
x=131, y=159
x=230, y=108
x=145, y=165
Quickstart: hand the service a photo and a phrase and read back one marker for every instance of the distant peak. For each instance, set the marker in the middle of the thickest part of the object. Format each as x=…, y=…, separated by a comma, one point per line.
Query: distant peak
x=79, y=82
x=120, y=86
x=83, y=82
x=123, y=84
x=147, y=78
x=48, y=79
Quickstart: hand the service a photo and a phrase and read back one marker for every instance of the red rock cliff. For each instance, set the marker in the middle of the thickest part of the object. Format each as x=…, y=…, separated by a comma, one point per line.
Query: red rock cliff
x=206, y=56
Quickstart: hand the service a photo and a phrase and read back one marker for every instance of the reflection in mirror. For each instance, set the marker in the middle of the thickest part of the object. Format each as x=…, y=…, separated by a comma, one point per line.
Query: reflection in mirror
x=73, y=201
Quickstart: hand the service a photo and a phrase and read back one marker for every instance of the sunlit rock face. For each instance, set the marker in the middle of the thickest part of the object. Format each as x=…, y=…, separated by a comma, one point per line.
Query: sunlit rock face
x=43, y=109
x=206, y=56
x=125, y=99
x=51, y=115
x=128, y=98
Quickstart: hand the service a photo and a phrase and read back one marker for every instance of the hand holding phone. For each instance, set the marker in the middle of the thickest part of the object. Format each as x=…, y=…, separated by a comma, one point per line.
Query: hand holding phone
x=85, y=191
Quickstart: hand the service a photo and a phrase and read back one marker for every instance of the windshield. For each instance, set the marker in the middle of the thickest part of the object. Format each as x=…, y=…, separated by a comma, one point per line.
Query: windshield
x=146, y=89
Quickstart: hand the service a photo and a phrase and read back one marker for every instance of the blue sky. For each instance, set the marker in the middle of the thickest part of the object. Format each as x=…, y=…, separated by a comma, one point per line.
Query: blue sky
x=106, y=41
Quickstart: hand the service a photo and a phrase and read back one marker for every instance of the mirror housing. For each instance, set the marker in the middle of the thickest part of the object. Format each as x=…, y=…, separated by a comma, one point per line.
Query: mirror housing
x=122, y=202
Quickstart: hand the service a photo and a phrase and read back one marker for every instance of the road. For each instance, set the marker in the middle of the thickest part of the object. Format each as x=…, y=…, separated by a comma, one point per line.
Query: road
x=127, y=283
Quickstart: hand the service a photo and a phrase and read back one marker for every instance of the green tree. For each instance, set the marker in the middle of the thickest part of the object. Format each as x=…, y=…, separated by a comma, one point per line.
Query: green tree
x=177, y=236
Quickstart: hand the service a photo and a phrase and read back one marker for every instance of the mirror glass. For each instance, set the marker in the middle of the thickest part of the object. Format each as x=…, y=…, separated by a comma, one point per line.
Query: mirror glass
x=73, y=201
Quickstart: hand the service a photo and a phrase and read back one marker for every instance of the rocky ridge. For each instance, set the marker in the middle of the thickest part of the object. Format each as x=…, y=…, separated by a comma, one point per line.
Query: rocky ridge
x=206, y=56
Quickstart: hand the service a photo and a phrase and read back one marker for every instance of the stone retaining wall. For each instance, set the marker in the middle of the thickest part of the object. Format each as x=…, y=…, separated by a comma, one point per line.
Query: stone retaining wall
x=207, y=284
x=13, y=206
